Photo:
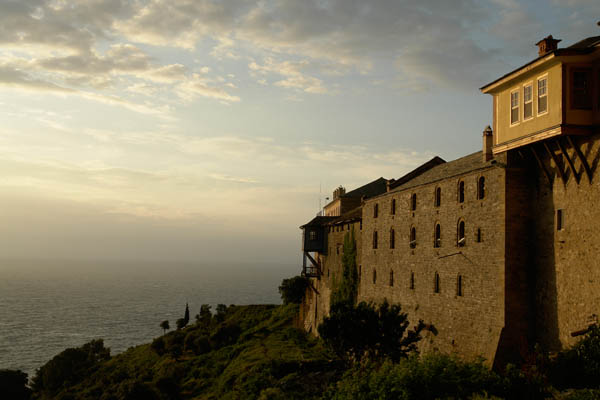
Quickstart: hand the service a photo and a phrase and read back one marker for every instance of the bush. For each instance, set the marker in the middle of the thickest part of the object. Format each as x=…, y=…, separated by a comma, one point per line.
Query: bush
x=369, y=331
x=579, y=366
x=292, y=289
x=13, y=384
x=158, y=345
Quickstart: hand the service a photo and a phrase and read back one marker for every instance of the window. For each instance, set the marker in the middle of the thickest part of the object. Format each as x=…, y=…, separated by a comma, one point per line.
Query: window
x=349, y=227
x=581, y=90
x=413, y=202
x=461, y=234
x=436, y=283
x=412, y=281
x=337, y=249
x=560, y=220
x=392, y=238
x=461, y=191
x=438, y=197
x=375, y=210
x=479, y=240
x=437, y=236
x=514, y=107
x=413, y=238
x=393, y=207
x=528, y=101
x=459, y=285
x=360, y=226
x=375, y=239
x=312, y=235
x=391, y=277
x=359, y=272
x=542, y=95
x=374, y=276
x=481, y=188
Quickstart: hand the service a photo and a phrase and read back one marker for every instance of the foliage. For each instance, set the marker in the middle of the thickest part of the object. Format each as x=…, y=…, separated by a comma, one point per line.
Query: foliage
x=69, y=367
x=13, y=384
x=181, y=323
x=579, y=366
x=431, y=377
x=204, y=317
x=186, y=315
x=374, y=332
x=221, y=312
x=165, y=326
x=346, y=290
x=292, y=290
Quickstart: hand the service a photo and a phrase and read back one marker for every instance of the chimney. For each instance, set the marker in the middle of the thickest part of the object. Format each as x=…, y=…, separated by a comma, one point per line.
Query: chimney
x=339, y=192
x=546, y=45
x=488, y=140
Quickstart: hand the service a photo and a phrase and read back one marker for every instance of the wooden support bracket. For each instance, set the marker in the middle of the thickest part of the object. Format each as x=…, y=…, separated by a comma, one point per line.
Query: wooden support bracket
x=541, y=164
x=555, y=159
x=584, y=162
x=569, y=161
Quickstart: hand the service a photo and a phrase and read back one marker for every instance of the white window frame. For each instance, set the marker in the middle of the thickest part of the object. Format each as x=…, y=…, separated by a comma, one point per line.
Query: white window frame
x=541, y=78
x=528, y=84
x=518, y=121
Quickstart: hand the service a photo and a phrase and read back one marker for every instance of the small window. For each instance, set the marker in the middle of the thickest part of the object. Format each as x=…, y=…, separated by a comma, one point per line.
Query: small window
x=459, y=286
x=360, y=225
x=374, y=276
x=412, y=281
x=375, y=210
x=461, y=234
x=392, y=238
x=436, y=283
x=461, y=191
x=349, y=227
x=312, y=235
x=413, y=237
x=359, y=272
x=437, y=236
x=514, y=107
x=328, y=272
x=479, y=238
x=560, y=220
x=375, y=239
x=438, y=197
x=528, y=101
x=337, y=249
x=413, y=202
x=481, y=188
x=542, y=95
x=391, y=277
x=393, y=207
x=581, y=89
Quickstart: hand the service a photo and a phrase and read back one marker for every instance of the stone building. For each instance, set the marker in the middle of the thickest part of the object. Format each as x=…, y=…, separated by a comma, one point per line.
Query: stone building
x=499, y=249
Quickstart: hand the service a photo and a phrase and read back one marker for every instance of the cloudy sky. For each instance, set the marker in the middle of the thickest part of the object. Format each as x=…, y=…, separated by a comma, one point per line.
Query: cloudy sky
x=204, y=129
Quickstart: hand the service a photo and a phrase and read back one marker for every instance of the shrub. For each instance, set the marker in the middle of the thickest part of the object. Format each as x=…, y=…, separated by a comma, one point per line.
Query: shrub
x=13, y=384
x=292, y=289
x=158, y=345
x=579, y=366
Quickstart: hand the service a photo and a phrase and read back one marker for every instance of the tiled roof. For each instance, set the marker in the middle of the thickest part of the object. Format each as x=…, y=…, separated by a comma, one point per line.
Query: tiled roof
x=586, y=43
x=319, y=220
x=374, y=188
x=352, y=215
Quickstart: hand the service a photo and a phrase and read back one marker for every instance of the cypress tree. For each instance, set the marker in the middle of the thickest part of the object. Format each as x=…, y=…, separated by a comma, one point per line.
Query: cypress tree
x=186, y=316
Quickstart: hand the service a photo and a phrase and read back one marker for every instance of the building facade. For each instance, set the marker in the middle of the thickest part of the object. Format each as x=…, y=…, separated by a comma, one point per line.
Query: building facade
x=499, y=250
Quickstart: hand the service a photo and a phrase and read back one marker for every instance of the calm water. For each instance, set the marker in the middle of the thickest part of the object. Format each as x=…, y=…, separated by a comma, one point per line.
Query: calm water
x=46, y=307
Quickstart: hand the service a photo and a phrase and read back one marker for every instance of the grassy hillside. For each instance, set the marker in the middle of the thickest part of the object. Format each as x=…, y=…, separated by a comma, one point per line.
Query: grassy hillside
x=254, y=352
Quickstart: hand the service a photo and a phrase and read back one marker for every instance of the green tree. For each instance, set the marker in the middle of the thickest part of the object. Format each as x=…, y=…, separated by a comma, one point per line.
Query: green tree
x=13, y=385
x=181, y=323
x=204, y=317
x=377, y=333
x=292, y=290
x=346, y=289
x=165, y=326
x=186, y=316
x=221, y=311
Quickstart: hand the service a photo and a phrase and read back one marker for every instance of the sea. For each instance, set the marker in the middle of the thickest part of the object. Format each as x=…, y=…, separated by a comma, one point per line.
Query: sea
x=48, y=306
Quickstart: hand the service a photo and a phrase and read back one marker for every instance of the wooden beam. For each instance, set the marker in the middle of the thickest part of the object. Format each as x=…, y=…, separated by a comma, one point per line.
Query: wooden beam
x=312, y=260
x=541, y=164
x=584, y=162
x=569, y=161
x=558, y=167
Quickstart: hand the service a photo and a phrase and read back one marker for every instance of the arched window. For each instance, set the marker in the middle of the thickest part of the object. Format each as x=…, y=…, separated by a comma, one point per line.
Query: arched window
x=437, y=236
x=393, y=207
x=438, y=197
x=413, y=202
x=412, y=281
x=392, y=238
x=391, y=277
x=460, y=238
x=413, y=237
x=374, y=276
x=481, y=188
x=461, y=191
x=375, y=239
x=436, y=283
x=479, y=238
x=375, y=210
x=459, y=285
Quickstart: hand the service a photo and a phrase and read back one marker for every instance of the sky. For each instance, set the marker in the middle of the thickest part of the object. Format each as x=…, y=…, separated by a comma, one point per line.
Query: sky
x=204, y=130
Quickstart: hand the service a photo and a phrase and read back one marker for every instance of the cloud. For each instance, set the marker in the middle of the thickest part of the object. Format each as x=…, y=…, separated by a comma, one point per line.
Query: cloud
x=10, y=76
x=295, y=78
x=198, y=86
